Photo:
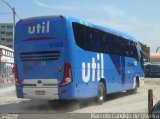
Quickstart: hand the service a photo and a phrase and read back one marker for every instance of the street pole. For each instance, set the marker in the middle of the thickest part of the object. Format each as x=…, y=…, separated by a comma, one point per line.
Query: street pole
x=14, y=21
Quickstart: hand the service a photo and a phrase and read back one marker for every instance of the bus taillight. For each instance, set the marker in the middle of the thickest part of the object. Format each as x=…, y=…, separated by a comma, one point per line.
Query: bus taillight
x=61, y=16
x=18, y=82
x=67, y=78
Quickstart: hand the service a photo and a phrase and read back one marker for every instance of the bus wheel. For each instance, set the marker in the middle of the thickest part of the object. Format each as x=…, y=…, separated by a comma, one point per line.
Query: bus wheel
x=101, y=93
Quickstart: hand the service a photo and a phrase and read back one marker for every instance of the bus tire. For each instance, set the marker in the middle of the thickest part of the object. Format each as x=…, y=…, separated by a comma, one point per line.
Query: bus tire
x=101, y=93
x=135, y=90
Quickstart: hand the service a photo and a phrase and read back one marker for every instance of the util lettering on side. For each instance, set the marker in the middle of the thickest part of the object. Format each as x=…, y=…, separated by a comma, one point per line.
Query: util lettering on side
x=95, y=65
x=39, y=28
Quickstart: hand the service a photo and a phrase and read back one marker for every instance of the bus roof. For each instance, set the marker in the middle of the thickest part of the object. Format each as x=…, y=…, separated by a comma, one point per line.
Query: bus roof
x=39, y=17
x=108, y=30
x=105, y=29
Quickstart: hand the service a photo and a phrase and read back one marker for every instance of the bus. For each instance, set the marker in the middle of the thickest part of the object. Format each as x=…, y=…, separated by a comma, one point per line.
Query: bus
x=65, y=58
x=6, y=65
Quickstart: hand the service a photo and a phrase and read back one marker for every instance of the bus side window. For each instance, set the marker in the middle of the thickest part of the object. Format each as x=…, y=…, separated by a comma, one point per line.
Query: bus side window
x=104, y=43
x=89, y=39
x=110, y=45
x=125, y=48
x=97, y=39
x=79, y=31
x=117, y=44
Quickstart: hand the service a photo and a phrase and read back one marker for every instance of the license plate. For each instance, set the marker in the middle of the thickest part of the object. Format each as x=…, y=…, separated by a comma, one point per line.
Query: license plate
x=40, y=92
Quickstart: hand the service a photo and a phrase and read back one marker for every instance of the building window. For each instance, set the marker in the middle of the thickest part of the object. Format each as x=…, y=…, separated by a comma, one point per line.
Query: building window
x=3, y=32
x=3, y=26
x=4, y=52
x=3, y=39
x=10, y=54
x=9, y=33
x=9, y=40
x=9, y=26
x=10, y=46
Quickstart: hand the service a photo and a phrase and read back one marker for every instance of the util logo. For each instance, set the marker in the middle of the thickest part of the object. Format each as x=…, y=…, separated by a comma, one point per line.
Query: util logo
x=43, y=27
x=96, y=66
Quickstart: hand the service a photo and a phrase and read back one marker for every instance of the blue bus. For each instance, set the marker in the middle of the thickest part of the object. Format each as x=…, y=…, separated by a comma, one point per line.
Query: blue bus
x=58, y=57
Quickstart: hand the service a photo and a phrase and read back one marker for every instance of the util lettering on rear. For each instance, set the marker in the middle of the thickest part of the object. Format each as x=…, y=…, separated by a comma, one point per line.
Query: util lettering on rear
x=43, y=27
x=96, y=67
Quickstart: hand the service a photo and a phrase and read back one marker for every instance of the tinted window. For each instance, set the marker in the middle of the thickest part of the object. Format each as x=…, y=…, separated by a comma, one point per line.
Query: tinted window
x=95, y=40
x=3, y=32
x=3, y=39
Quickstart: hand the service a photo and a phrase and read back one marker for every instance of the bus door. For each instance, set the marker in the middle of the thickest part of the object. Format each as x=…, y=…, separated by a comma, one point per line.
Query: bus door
x=115, y=73
x=126, y=64
x=123, y=70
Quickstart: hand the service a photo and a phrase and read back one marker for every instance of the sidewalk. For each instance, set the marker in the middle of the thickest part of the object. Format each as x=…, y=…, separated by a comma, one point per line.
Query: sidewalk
x=7, y=88
x=5, y=85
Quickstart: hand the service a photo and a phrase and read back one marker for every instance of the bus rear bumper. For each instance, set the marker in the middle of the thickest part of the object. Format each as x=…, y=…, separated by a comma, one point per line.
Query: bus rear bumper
x=41, y=93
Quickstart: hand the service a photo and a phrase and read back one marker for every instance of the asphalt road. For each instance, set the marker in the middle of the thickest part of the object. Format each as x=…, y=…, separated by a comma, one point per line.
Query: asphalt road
x=115, y=103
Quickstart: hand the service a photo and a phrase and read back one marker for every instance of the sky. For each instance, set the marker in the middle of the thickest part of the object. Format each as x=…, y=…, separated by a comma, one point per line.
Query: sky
x=139, y=18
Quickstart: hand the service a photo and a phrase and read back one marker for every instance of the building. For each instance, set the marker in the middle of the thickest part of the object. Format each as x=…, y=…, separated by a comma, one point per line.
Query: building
x=6, y=34
x=148, y=53
x=155, y=57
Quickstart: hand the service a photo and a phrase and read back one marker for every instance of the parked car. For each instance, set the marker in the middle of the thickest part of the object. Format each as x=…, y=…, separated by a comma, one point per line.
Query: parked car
x=152, y=69
x=156, y=111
